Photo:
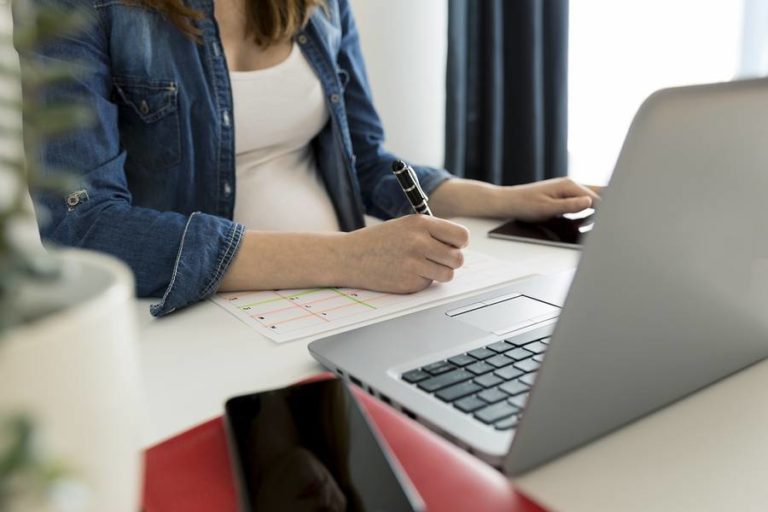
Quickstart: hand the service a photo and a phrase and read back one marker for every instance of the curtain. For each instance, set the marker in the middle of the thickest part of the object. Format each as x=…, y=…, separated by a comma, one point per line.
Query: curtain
x=506, y=84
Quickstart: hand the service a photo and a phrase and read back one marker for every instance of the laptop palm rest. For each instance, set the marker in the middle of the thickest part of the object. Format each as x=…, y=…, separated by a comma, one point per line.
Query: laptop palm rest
x=509, y=315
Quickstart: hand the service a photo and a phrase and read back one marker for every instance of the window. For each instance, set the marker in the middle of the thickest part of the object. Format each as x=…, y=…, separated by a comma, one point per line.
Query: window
x=620, y=52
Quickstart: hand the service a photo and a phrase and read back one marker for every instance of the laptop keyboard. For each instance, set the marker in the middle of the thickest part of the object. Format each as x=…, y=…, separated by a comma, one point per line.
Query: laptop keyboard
x=490, y=383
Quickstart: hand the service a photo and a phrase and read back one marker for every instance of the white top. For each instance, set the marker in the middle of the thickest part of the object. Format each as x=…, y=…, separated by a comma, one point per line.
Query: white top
x=277, y=113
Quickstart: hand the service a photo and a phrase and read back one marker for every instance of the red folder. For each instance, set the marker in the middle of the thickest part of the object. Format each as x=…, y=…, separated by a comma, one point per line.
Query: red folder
x=191, y=472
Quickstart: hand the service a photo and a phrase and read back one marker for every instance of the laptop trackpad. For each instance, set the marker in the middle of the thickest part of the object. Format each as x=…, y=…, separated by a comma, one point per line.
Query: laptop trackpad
x=510, y=315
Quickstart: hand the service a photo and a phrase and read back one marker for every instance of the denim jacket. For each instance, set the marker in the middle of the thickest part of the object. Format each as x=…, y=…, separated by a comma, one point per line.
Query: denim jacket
x=157, y=169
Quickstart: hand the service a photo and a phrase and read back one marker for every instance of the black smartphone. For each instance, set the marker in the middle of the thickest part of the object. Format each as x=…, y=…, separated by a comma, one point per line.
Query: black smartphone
x=564, y=231
x=310, y=447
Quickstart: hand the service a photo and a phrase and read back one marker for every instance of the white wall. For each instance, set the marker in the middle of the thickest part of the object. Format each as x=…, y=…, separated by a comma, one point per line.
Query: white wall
x=9, y=90
x=9, y=87
x=404, y=43
x=754, y=42
x=22, y=232
x=621, y=52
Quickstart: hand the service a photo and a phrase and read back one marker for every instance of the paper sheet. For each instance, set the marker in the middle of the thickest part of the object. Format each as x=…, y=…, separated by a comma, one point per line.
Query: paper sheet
x=288, y=315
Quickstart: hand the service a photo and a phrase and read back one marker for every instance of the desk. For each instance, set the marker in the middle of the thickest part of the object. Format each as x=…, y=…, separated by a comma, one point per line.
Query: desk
x=708, y=452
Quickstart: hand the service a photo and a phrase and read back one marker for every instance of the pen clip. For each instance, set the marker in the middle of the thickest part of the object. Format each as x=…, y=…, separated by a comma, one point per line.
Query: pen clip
x=415, y=180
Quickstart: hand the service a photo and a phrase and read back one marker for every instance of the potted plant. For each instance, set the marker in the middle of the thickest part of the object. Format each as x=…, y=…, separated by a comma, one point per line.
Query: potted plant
x=70, y=412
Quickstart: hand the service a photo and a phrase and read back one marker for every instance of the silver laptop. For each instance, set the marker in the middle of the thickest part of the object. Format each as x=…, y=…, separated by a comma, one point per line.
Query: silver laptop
x=671, y=295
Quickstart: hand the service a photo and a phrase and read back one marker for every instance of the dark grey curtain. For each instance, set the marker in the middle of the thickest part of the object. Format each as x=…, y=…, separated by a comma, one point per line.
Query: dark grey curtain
x=506, y=108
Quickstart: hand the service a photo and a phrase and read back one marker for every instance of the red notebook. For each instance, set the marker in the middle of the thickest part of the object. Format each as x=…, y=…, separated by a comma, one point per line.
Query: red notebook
x=191, y=472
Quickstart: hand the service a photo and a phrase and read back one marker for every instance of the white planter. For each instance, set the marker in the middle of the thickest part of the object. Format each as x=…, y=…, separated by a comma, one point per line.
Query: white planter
x=75, y=372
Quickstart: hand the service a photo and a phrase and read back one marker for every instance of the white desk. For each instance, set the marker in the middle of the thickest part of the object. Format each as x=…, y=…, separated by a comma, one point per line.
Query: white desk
x=708, y=452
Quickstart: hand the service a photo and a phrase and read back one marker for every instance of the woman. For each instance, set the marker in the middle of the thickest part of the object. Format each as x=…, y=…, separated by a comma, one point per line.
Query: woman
x=170, y=82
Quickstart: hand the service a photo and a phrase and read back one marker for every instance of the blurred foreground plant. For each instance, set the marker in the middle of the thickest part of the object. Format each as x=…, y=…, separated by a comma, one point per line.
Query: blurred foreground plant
x=22, y=259
x=27, y=478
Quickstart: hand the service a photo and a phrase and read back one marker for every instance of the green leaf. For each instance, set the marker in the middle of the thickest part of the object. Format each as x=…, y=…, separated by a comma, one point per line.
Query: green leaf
x=7, y=71
x=10, y=131
x=19, y=452
x=14, y=104
x=36, y=75
x=61, y=182
x=17, y=164
x=58, y=119
x=48, y=24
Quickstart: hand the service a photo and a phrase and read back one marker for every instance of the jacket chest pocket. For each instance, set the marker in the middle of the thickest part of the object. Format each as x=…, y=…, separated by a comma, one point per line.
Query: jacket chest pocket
x=149, y=122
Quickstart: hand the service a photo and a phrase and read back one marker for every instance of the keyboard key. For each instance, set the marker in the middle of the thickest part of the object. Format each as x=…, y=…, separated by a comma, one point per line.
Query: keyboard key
x=438, y=367
x=499, y=361
x=480, y=368
x=514, y=388
x=457, y=391
x=414, y=376
x=508, y=373
x=462, y=360
x=539, y=358
x=445, y=380
x=492, y=395
x=528, y=365
x=489, y=380
x=500, y=347
x=469, y=404
x=516, y=341
x=519, y=354
x=481, y=353
x=507, y=423
x=495, y=412
x=528, y=378
x=518, y=400
x=545, y=340
x=536, y=347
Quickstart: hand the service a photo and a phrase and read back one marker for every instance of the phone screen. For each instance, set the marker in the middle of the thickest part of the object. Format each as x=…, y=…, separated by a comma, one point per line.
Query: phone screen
x=560, y=231
x=310, y=447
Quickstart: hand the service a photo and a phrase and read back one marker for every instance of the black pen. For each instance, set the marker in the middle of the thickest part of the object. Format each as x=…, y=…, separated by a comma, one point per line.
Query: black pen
x=406, y=176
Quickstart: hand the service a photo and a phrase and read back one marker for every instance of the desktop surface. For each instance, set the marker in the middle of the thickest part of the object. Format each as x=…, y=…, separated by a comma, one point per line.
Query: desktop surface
x=706, y=452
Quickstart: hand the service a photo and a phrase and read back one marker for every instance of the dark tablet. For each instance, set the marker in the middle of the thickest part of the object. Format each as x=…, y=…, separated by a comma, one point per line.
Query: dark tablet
x=559, y=231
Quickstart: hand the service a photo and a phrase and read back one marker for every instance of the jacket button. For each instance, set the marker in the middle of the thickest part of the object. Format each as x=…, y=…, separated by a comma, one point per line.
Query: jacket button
x=302, y=39
x=75, y=198
x=144, y=107
x=335, y=98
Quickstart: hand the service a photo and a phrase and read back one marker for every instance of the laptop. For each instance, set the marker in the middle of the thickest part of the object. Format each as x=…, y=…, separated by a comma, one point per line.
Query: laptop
x=671, y=295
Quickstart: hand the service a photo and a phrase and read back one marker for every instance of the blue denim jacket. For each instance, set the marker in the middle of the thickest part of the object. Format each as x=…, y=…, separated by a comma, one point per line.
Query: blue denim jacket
x=157, y=169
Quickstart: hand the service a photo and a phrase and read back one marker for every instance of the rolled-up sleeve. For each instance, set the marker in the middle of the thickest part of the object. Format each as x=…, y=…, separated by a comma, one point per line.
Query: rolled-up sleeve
x=205, y=251
x=179, y=257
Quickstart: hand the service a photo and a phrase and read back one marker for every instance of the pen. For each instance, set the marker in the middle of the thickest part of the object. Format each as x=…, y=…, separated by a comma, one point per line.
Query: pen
x=408, y=181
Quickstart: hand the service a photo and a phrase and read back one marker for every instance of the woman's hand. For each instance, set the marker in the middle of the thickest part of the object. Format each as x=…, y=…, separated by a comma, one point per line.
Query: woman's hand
x=403, y=255
x=531, y=202
x=546, y=199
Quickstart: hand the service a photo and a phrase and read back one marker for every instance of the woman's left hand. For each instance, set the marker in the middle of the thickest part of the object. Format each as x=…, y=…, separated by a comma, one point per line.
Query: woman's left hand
x=546, y=199
x=531, y=202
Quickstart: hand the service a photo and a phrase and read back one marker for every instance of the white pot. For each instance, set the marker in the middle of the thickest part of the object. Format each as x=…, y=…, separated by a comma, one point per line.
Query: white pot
x=75, y=372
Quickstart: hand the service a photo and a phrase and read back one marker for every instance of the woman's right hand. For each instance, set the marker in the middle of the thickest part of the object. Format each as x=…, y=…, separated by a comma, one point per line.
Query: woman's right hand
x=403, y=255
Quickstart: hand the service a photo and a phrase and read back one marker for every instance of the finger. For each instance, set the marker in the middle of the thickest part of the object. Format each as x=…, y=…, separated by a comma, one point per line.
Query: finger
x=448, y=232
x=573, y=189
x=572, y=204
x=435, y=272
x=443, y=254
